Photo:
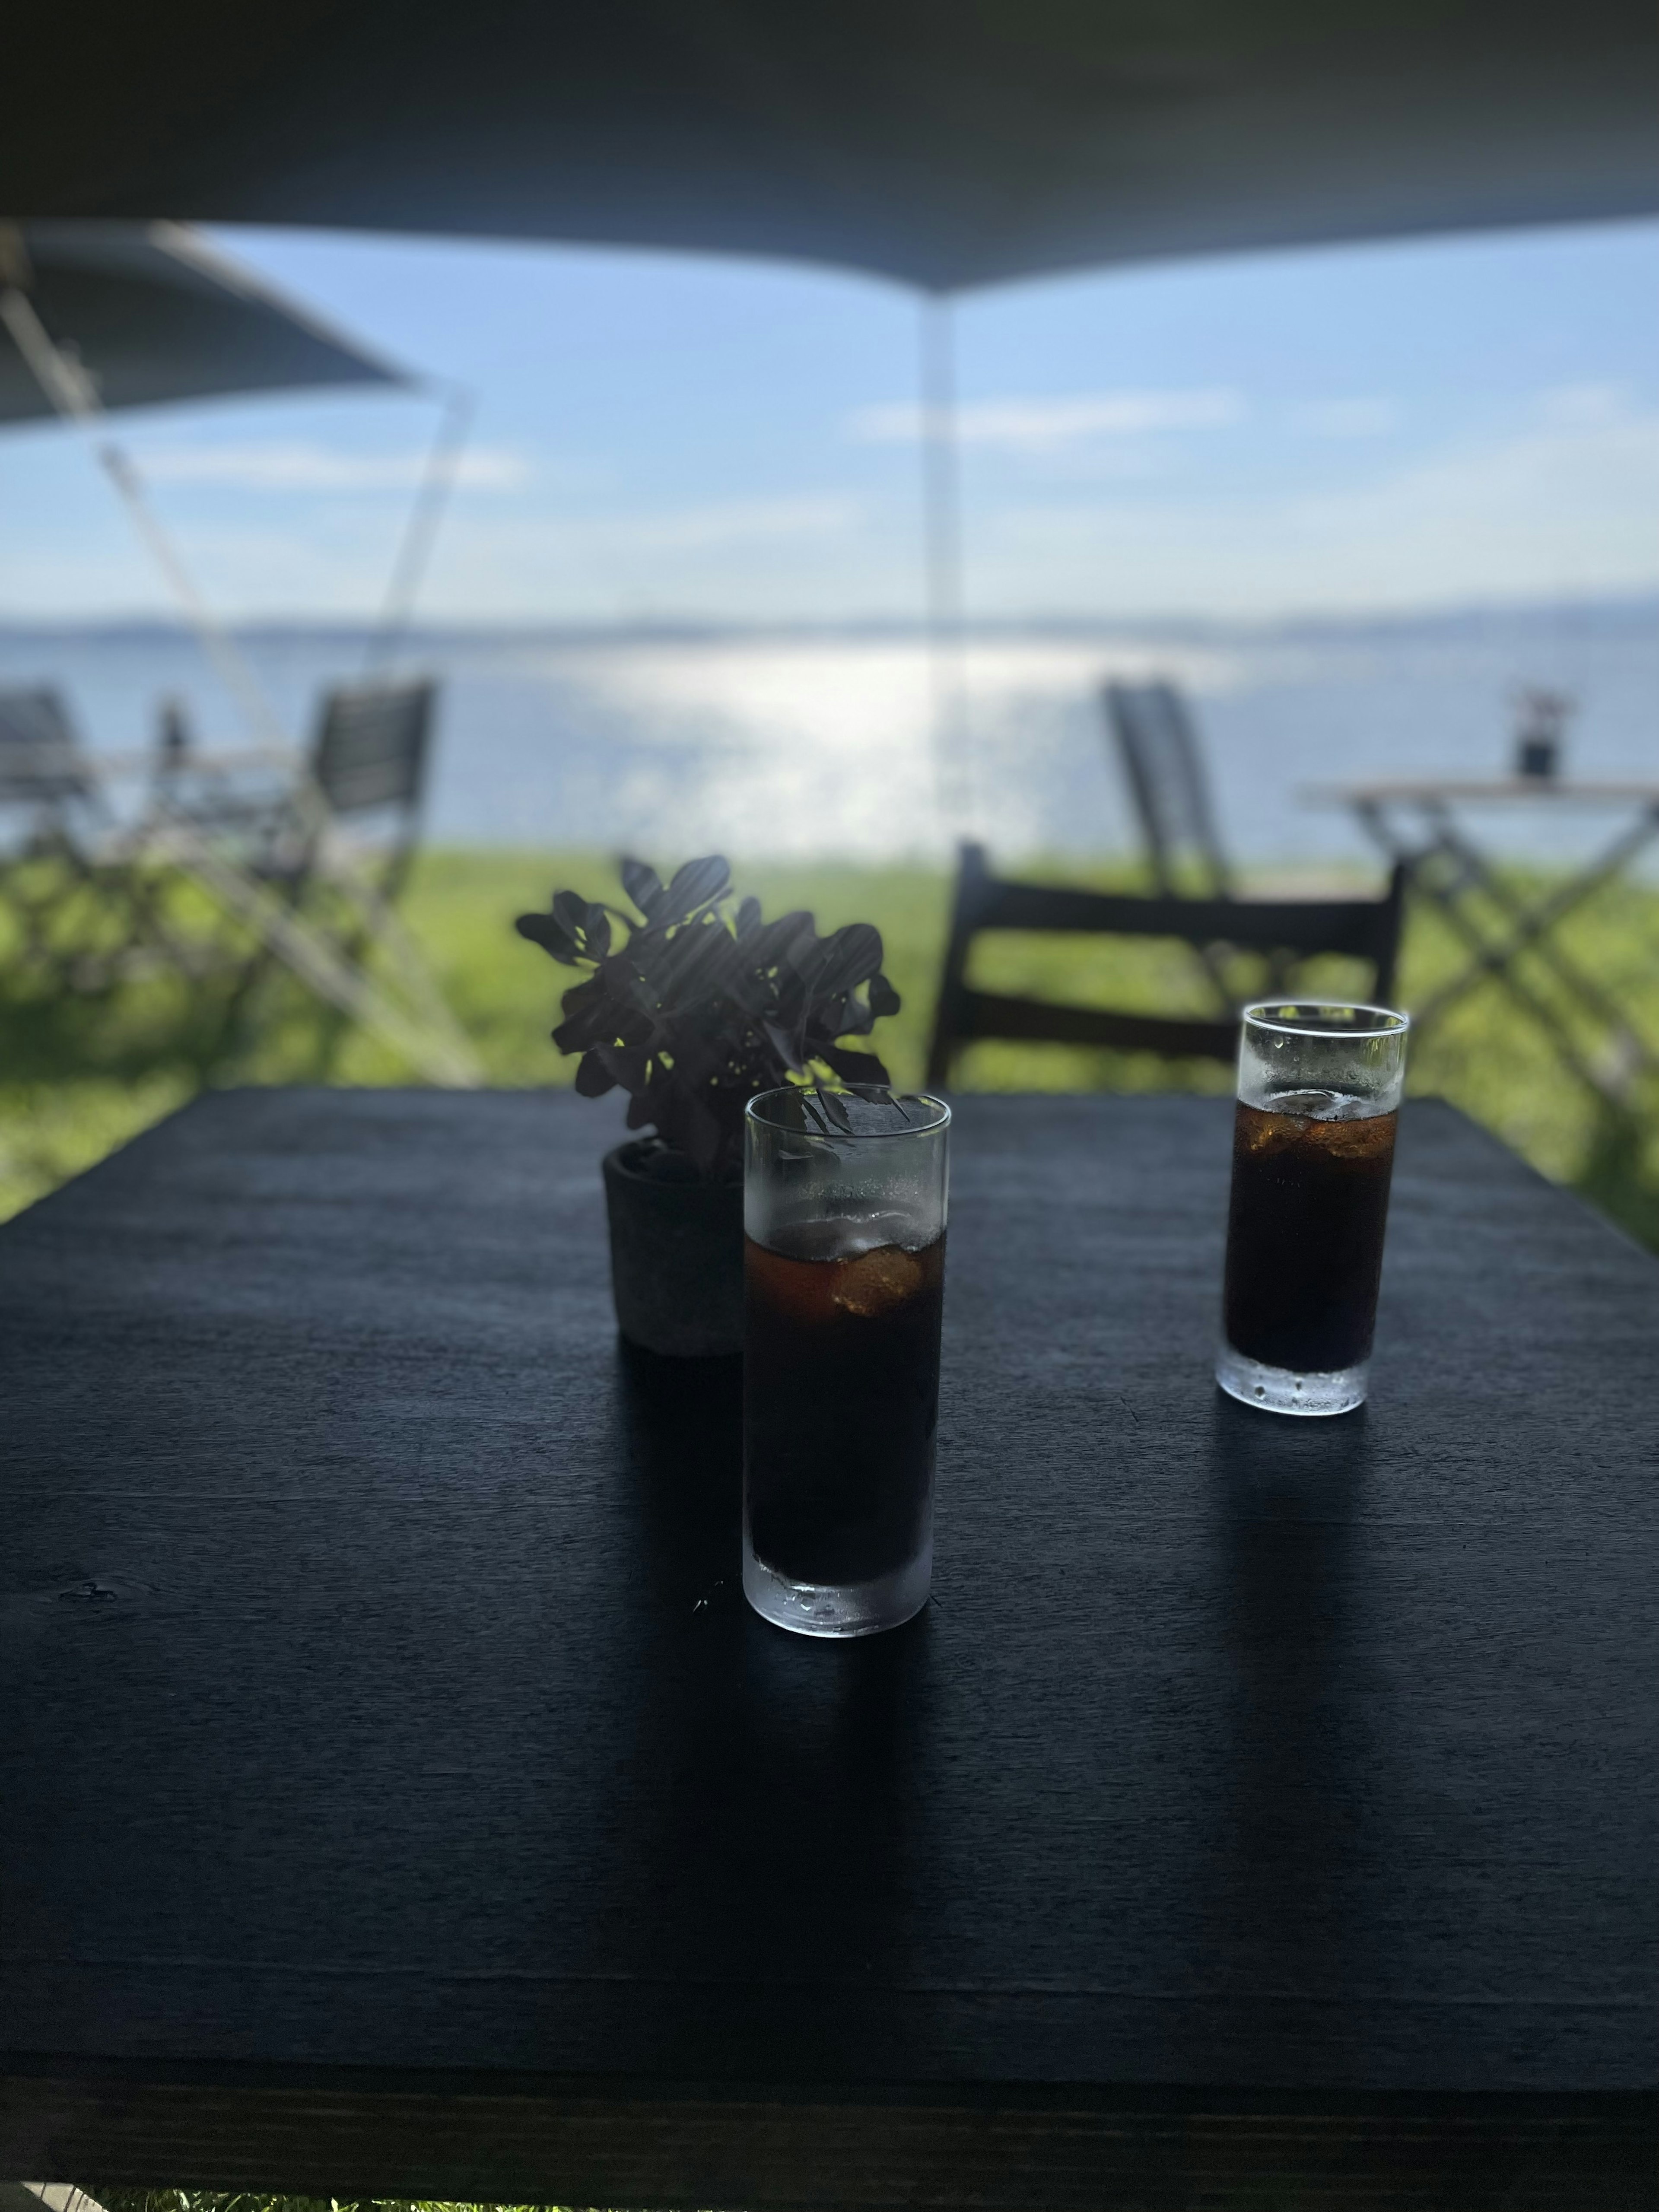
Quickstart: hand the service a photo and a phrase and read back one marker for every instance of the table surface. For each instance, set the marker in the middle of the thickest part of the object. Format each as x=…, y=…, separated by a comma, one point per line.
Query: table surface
x=399, y=1790
x=112, y=767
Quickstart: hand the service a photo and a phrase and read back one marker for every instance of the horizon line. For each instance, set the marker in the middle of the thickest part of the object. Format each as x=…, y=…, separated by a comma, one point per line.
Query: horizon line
x=1641, y=600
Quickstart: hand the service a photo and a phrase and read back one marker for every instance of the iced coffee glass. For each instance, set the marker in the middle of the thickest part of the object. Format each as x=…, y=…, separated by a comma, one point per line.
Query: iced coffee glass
x=1319, y=1089
x=844, y=1216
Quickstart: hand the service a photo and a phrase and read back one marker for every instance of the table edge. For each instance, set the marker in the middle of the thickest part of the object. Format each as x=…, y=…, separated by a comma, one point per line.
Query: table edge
x=590, y=2141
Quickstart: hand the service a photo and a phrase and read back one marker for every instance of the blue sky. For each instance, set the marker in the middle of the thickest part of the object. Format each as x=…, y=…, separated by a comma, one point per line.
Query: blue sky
x=1400, y=427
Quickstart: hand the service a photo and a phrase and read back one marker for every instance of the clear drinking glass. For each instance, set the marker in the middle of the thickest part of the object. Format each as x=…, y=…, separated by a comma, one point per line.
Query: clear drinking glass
x=844, y=1215
x=1319, y=1089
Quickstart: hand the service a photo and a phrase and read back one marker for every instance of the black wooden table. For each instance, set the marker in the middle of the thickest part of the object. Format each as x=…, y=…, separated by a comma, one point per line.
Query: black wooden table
x=399, y=1798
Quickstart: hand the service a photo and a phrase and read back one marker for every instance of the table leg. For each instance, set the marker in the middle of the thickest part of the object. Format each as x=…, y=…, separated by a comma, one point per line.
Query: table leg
x=1532, y=924
x=1496, y=960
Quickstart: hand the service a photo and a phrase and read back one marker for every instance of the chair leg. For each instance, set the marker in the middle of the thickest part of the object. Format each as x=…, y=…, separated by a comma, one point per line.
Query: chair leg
x=1387, y=960
x=971, y=873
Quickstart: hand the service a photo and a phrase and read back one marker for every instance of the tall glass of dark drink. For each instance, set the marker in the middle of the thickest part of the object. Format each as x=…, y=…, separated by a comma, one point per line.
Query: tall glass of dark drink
x=844, y=1216
x=1319, y=1091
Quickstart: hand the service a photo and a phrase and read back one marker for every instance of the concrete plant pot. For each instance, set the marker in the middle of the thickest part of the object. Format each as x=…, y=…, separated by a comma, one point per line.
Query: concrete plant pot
x=675, y=1257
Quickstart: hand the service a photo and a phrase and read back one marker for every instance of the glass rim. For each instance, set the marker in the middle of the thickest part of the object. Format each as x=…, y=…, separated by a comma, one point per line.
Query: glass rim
x=1264, y=1015
x=940, y=1119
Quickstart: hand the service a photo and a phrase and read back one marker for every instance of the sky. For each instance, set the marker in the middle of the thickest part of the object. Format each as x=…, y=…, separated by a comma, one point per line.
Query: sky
x=1400, y=427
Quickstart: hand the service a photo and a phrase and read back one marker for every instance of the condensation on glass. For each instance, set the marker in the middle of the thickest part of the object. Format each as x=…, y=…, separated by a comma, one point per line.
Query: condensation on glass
x=1319, y=1091
x=844, y=1221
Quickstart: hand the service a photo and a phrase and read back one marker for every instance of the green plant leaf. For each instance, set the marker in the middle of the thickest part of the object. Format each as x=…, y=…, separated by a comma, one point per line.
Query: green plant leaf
x=630, y=1065
x=857, y=1070
x=778, y=938
x=836, y=1107
x=693, y=1013
x=593, y=1078
x=848, y=957
x=643, y=885
x=570, y=911
x=784, y=1045
x=542, y=929
x=694, y=885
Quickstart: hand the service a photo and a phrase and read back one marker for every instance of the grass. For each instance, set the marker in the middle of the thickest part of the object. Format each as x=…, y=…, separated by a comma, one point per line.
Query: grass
x=81, y=1074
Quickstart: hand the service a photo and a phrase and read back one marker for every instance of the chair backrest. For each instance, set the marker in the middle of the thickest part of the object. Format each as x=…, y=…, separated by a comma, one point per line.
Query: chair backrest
x=41, y=757
x=371, y=746
x=1164, y=766
x=1366, y=929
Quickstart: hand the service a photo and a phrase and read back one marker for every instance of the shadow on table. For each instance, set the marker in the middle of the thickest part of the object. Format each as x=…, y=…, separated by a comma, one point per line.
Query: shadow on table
x=681, y=1431
x=791, y=1830
x=1287, y=1912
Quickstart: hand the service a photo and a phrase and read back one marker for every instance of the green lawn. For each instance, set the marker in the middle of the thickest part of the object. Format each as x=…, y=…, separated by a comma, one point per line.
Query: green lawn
x=79, y=1075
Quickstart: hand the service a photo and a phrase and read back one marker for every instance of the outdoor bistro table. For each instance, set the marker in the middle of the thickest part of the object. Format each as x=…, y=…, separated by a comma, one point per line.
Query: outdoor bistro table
x=399, y=1797
x=1423, y=824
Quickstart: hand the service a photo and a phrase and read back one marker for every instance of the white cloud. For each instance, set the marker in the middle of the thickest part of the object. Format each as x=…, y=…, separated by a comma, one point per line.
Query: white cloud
x=1040, y=425
x=512, y=563
x=1346, y=418
x=731, y=522
x=1586, y=406
x=1557, y=494
x=301, y=465
x=1559, y=503
x=1551, y=508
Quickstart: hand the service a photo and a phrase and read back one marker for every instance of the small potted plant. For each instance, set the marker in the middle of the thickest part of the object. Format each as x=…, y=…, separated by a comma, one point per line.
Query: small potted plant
x=692, y=1009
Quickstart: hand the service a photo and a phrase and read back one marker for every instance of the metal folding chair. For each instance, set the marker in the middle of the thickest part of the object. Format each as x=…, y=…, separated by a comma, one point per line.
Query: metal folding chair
x=309, y=870
x=349, y=813
x=1363, y=929
x=1164, y=766
x=369, y=768
x=82, y=914
x=368, y=761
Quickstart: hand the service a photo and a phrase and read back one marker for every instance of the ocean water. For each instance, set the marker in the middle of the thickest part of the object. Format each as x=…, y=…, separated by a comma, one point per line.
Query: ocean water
x=826, y=744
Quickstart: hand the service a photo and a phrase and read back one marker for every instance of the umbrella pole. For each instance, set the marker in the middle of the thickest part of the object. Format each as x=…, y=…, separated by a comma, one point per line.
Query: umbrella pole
x=458, y=407
x=941, y=509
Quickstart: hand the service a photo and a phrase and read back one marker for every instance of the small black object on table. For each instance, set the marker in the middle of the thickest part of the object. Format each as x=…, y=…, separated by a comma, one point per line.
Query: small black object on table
x=400, y=1798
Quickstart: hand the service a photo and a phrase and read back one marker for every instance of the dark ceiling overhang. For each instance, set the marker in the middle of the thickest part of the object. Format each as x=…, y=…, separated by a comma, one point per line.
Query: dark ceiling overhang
x=943, y=143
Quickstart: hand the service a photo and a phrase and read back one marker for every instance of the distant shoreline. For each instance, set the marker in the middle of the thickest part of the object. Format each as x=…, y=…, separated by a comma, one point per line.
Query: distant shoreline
x=1615, y=613
x=799, y=738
